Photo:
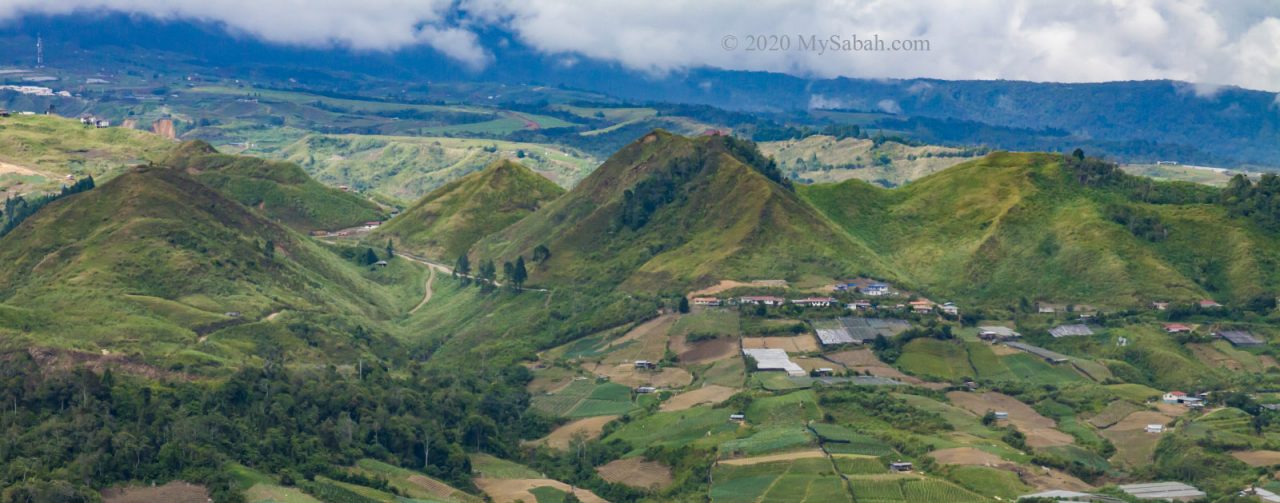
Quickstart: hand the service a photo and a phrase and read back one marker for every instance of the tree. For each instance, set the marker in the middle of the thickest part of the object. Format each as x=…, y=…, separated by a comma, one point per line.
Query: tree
x=541, y=253
x=391, y=250
x=463, y=269
x=509, y=272
x=1078, y=154
x=520, y=274
x=370, y=257
x=684, y=304
x=486, y=275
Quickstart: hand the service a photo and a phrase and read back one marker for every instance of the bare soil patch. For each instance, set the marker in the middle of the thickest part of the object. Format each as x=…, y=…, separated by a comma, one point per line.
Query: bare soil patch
x=1139, y=421
x=786, y=456
x=512, y=490
x=636, y=472
x=705, y=351
x=626, y=374
x=966, y=456
x=432, y=486
x=51, y=359
x=1044, y=478
x=1171, y=409
x=805, y=343
x=590, y=428
x=173, y=492
x=647, y=341
x=7, y=168
x=710, y=393
x=864, y=360
x=728, y=284
x=1258, y=458
x=1039, y=430
x=1113, y=413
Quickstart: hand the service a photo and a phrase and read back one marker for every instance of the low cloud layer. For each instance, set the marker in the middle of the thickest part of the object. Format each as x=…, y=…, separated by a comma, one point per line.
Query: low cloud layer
x=1208, y=43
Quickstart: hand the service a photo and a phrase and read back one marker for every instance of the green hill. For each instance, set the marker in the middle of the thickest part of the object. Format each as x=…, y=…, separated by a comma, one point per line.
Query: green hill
x=1010, y=226
x=669, y=211
x=152, y=262
x=281, y=190
x=449, y=220
x=37, y=152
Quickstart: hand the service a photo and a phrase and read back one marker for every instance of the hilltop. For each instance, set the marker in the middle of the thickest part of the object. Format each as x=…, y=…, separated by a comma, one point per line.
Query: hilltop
x=1011, y=226
x=153, y=263
x=281, y=190
x=37, y=152
x=669, y=210
x=449, y=220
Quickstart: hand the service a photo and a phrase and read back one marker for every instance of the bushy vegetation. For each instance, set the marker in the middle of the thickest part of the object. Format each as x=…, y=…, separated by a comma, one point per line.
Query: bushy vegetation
x=17, y=209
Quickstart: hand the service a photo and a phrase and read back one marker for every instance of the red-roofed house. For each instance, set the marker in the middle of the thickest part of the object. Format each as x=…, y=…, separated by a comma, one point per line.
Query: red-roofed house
x=1209, y=304
x=1176, y=328
x=1174, y=397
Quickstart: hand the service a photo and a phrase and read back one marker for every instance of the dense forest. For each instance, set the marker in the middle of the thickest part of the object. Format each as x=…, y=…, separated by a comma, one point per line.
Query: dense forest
x=68, y=430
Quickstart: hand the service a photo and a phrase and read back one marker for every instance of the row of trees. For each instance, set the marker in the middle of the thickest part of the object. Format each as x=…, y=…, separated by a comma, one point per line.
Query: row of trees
x=486, y=274
x=17, y=209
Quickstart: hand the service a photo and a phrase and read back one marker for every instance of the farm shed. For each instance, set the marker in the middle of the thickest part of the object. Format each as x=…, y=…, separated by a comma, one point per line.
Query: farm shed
x=1049, y=356
x=1238, y=338
x=1077, y=330
x=775, y=359
x=997, y=333
x=1167, y=491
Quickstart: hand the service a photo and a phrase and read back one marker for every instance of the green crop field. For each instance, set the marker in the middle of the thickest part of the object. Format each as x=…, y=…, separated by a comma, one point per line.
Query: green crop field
x=792, y=408
x=989, y=481
x=800, y=480
x=766, y=440
x=946, y=360
x=859, y=465
x=676, y=428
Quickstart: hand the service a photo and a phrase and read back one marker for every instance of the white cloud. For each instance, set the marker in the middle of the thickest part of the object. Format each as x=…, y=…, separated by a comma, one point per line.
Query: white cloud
x=1201, y=41
x=889, y=106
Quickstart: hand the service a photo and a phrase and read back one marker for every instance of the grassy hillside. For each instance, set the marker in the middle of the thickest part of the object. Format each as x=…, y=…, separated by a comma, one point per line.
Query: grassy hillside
x=669, y=210
x=827, y=159
x=151, y=263
x=38, y=151
x=408, y=167
x=446, y=222
x=280, y=190
x=1016, y=225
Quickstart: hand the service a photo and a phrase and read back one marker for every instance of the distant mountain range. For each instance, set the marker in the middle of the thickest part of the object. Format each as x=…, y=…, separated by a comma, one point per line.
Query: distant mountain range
x=1133, y=121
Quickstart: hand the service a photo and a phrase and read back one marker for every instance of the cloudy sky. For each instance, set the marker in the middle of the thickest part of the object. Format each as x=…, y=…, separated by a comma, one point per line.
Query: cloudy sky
x=1233, y=42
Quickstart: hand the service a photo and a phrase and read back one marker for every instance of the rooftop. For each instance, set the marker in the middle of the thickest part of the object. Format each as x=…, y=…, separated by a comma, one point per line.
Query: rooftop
x=1038, y=351
x=1162, y=490
x=1070, y=331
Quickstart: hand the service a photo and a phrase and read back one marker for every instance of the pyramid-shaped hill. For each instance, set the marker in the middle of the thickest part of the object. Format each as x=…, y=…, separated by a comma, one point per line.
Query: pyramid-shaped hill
x=447, y=222
x=669, y=212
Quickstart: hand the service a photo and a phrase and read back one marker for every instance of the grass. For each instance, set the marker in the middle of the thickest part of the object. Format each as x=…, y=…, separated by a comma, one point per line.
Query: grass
x=792, y=408
x=53, y=147
x=943, y=360
x=548, y=494
x=708, y=323
x=859, y=465
x=766, y=440
x=1033, y=369
x=678, y=428
x=498, y=468
x=414, y=484
x=446, y=223
x=410, y=167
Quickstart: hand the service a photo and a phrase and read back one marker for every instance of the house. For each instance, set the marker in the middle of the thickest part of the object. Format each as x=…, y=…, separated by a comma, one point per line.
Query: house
x=1064, y=495
x=876, y=289
x=233, y=314
x=1174, y=397
x=823, y=372
x=1261, y=494
x=1046, y=310
x=706, y=301
x=997, y=333
x=4, y=113
x=921, y=306
x=1209, y=304
x=1166, y=491
x=900, y=466
x=372, y=225
x=1176, y=328
x=646, y=389
x=1001, y=416
x=380, y=263
x=860, y=304
x=763, y=300
x=737, y=418
x=950, y=309
x=646, y=365
x=1070, y=331
x=1155, y=428
x=814, y=302
x=1238, y=338
x=1160, y=306
x=101, y=123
